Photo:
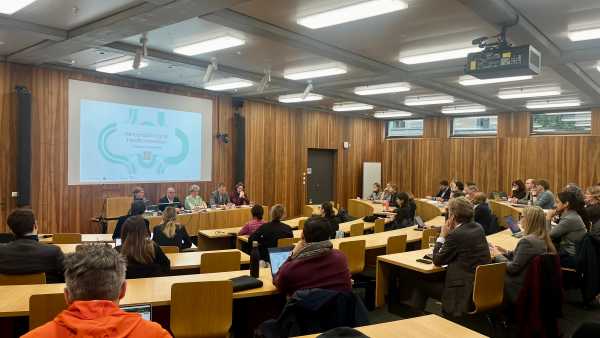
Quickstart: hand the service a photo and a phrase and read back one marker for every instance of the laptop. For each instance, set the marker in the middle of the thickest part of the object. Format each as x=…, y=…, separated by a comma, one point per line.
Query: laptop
x=513, y=226
x=145, y=310
x=420, y=223
x=278, y=256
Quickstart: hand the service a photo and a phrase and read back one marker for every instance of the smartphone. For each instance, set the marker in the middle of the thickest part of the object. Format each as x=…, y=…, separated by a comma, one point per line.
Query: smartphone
x=424, y=261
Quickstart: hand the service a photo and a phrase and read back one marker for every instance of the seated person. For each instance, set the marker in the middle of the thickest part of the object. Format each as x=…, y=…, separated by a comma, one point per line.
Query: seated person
x=138, y=207
x=592, y=204
x=387, y=192
x=470, y=191
x=25, y=255
x=314, y=263
x=171, y=233
x=249, y=228
x=144, y=256
x=567, y=227
x=239, y=196
x=444, y=193
x=219, y=196
x=542, y=195
x=457, y=189
x=194, y=201
x=392, y=195
x=329, y=215
x=169, y=200
x=95, y=283
x=139, y=194
x=405, y=212
x=535, y=241
x=482, y=214
x=530, y=185
x=268, y=233
x=377, y=194
x=518, y=190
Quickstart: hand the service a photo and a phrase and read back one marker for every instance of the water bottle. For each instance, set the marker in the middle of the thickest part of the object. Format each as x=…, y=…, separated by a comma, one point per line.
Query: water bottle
x=254, y=260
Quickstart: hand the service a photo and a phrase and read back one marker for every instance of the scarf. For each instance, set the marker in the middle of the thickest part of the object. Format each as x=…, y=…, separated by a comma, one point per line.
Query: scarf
x=314, y=249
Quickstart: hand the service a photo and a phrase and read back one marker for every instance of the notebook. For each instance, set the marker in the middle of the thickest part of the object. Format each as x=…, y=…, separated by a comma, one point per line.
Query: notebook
x=278, y=256
x=145, y=310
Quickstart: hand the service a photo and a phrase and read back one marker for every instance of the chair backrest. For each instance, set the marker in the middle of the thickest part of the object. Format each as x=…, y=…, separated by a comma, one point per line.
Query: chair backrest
x=308, y=210
x=379, y=225
x=220, y=261
x=43, y=308
x=357, y=229
x=488, y=288
x=66, y=238
x=301, y=224
x=201, y=309
x=426, y=210
x=426, y=234
x=115, y=207
x=395, y=244
x=169, y=249
x=34, y=278
x=285, y=242
x=355, y=253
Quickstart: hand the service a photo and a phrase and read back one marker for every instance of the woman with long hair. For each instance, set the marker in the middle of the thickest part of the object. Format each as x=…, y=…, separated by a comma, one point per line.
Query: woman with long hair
x=568, y=228
x=518, y=190
x=405, y=212
x=171, y=233
x=328, y=213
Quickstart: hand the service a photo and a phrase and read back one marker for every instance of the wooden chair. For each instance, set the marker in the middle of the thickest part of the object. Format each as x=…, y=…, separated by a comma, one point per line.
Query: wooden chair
x=34, y=278
x=201, y=309
x=115, y=207
x=301, y=224
x=379, y=225
x=169, y=249
x=488, y=288
x=220, y=261
x=44, y=307
x=285, y=242
x=66, y=238
x=425, y=238
x=357, y=229
x=395, y=244
x=308, y=210
x=355, y=253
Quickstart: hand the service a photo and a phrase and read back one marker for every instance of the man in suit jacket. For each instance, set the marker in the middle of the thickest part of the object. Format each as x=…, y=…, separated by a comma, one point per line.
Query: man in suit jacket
x=544, y=198
x=483, y=214
x=220, y=196
x=462, y=246
x=444, y=192
x=530, y=184
x=169, y=200
x=25, y=254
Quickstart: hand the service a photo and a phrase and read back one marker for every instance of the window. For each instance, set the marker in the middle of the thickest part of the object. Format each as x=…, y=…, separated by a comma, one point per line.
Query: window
x=404, y=128
x=475, y=126
x=577, y=122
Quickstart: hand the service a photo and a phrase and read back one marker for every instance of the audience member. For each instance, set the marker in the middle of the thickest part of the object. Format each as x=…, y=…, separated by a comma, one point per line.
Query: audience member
x=482, y=213
x=543, y=197
x=329, y=215
x=140, y=195
x=389, y=191
x=518, y=190
x=219, y=196
x=171, y=233
x=249, y=228
x=592, y=204
x=194, y=201
x=268, y=233
x=530, y=185
x=377, y=193
x=470, y=191
x=444, y=191
x=138, y=207
x=239, y=196
x=169, y=200
x=568, y=229
x=457, y=187
x=405, y=212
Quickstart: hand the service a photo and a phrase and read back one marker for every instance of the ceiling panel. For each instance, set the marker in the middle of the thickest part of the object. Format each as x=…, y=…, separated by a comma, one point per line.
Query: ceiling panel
x=12, y=41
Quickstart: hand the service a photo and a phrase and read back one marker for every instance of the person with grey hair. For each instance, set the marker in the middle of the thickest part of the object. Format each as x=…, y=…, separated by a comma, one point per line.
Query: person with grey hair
x=194, y=201
x=95, y=283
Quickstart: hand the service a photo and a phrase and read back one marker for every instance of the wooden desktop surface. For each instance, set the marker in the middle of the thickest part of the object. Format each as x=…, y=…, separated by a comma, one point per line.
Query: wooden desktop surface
x=107, y=238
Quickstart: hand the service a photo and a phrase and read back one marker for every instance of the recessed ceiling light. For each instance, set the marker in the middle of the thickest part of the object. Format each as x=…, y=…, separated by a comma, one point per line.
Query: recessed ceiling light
x=468, y=80
x=361, y=10
x=517, y=93
x=439, y=56
x=390, y=114
x=584, y=34
x=385, y=88
x=313, y=72
x=351, y=106
x=12, y=6
x=541, y=104
x=293, y=98
x=227, y=84
x=598, y=66
x=120, y=67
x=424, y=100
x=463, y=109
x=208, y=46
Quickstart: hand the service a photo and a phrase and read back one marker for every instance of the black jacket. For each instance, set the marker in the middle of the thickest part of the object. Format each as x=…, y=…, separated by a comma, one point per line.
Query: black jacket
x=181, y=239
x=483, y=215
x=119, y=226
x=267, y=236
x=316, y=310
x=160, y=266
x=334, y=225
x=27, y=255
x=588, y=263
x=444, y=193
x=163, y=203
x=405, y=217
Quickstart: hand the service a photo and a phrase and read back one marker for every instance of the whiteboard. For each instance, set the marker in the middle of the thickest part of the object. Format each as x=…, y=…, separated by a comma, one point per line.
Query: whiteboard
x=371, y=174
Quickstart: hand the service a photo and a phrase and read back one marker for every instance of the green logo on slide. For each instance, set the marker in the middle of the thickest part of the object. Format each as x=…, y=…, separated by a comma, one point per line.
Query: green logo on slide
x=143, y=145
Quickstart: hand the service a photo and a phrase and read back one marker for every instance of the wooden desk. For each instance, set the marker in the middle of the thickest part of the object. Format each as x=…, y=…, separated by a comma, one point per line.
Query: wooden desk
x=428, y=209
x=417, y=327
x=191, y=260
x=379, y=240
x=294, y=223
x=155, y=291
x=504, y=239
x=106, y=238
x=502, y=209
x=362, y=208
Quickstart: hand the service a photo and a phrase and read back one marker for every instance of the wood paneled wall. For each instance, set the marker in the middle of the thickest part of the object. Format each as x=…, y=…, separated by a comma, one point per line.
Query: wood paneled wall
x=58, y=206
x=417, y=165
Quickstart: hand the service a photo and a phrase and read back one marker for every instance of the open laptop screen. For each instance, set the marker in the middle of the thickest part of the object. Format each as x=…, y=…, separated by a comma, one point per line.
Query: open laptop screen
x=278, y=256
x=145, y=310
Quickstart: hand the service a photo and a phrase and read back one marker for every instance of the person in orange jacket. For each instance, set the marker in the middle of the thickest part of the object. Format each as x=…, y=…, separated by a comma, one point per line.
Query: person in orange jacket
x=95, y=283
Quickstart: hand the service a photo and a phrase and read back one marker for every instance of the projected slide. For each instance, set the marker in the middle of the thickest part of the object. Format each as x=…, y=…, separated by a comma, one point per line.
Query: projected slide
x=133, y=143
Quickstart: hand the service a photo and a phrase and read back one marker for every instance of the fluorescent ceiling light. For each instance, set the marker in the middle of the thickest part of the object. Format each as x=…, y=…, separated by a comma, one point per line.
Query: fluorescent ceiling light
x=463, y=109
x=292, y=98
x=385, y=88
x=351, y=106
x=227, y=84
x=314, y=73
x=120, y=67
x=12, y=6
x=208, y=46
x=584, y=34
x=439, y=56
x=468, y=80
x=517, y=93
x=541, y=104
x=388, y=114
x=427, y=100
x=569, y=113
x=362, y=10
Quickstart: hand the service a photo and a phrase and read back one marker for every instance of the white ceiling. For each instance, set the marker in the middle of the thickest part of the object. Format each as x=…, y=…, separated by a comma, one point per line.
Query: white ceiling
x=95, y=32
